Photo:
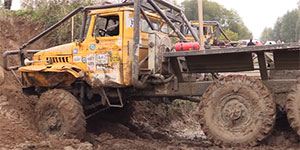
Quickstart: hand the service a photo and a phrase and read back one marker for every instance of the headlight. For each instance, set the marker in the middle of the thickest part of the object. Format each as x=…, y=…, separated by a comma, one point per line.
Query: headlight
x=27, y=62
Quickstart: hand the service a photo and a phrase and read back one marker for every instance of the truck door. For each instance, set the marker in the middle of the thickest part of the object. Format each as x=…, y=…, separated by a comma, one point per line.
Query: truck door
x=104, y=50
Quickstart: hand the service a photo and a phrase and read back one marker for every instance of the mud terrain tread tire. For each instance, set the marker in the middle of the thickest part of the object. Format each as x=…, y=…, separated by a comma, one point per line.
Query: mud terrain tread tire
x=261, y=125
x=2, y=76
x=292, y=107
x=73, y=123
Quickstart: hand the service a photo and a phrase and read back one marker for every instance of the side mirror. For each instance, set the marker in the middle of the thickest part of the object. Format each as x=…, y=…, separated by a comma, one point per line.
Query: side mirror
x=77, y=43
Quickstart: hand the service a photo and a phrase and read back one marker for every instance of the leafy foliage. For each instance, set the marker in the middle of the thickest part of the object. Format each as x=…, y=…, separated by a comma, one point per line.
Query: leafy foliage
x=212, y=11
x=51, y=11
x=267, y=34
x=276, y=31
x=232, y=35
x=286, y=28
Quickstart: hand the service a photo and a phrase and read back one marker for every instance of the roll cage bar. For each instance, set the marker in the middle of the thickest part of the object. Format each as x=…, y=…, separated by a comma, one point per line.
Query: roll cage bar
x=171, y=15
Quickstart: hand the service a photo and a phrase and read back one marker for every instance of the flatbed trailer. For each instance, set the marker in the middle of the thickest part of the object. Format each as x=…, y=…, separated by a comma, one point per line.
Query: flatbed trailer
x=230, y=60
x=280, y=94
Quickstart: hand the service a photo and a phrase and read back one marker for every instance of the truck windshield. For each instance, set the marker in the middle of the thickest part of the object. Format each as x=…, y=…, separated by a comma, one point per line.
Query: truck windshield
x=106, y=26
x=86, y=28
x=206, y=30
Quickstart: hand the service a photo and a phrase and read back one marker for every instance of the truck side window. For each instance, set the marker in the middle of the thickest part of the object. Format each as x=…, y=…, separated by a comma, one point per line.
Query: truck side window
x=205, y=30
x=209, y=30
x=146, y=27
x=106, y=26
x=164, y=29
x=86, y=28
x=195, y=28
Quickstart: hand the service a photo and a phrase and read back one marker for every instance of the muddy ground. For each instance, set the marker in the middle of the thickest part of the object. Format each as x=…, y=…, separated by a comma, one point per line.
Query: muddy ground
x=142, y=125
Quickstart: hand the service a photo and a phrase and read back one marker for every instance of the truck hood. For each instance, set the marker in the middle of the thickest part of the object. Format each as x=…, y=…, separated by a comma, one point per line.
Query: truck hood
x=65, y=49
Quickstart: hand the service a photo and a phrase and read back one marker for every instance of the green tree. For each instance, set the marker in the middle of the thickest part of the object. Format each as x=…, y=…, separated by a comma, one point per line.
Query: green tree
x=51, y=11
x=236, y=24
x=289, y=26
x=267, y=35
x=212, y=11
x=276, y=30
x=232, y=35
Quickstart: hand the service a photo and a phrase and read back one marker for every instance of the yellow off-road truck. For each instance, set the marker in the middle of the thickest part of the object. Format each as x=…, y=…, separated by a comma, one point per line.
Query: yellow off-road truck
x=125, y=53
x=212, y=33
x=208, y=31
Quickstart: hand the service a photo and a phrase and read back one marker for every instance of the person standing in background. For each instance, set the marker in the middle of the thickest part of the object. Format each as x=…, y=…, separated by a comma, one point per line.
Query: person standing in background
x=250, y=43
x=278, y=42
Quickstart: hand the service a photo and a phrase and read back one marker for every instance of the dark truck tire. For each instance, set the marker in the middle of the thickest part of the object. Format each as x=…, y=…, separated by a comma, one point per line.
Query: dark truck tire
x=60, y=114
x=237, y=111
x=292, y=107
x=2, y=76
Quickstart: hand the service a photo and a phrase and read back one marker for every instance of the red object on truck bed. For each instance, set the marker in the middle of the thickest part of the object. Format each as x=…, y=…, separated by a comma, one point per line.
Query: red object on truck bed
x=187, y=46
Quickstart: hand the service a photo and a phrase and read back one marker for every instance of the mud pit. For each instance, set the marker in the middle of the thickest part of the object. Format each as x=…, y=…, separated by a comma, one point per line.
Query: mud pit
x=140, y=125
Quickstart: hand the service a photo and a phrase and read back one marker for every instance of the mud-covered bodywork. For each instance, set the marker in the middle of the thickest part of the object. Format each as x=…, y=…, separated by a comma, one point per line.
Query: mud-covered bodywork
x=52, y=67
x=102, y=59
x=62, y=65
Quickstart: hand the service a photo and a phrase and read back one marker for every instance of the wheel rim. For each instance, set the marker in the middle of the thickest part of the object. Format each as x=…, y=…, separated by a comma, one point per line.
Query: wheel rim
x=51, y=121
x=234, y=112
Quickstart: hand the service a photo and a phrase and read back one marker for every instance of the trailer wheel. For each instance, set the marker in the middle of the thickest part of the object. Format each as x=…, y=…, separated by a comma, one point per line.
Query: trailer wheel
x=60, y=114
x=237, y=111
x=292, y=107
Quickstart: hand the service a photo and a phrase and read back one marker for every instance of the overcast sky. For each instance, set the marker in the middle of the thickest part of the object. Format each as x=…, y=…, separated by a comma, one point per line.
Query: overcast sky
x=256, y=14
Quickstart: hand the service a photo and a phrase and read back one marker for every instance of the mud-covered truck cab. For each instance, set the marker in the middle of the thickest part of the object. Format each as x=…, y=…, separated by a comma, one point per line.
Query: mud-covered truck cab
x=126, y=52
x=101, y=58
x=208, y=31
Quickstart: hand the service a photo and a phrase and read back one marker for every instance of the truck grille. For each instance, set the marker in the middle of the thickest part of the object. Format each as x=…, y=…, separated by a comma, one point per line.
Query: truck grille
x=58, y=59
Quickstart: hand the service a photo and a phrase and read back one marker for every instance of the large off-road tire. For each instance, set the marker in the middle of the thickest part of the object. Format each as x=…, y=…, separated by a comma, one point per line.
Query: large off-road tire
x=237, y=111
x=2, y=76
x=60, y=114
x=292, y=107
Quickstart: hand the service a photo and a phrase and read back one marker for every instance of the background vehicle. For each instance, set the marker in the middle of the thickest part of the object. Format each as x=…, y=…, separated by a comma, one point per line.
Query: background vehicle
x=212, y=31
x=270, y=42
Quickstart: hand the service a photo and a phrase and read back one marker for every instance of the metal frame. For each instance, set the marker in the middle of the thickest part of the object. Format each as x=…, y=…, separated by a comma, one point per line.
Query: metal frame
x=250, y=49
x=215, y=24
x=140, y=7
x=236, y=59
